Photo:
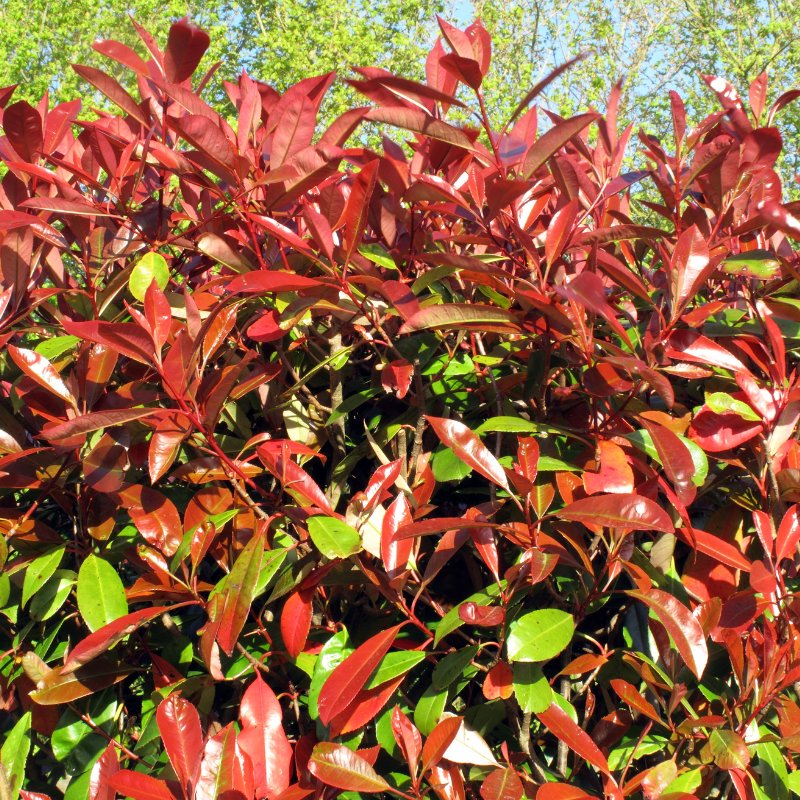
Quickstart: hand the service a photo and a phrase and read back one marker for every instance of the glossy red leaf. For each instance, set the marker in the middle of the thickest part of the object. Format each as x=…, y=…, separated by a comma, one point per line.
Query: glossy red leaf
x=347, y=680
x=561, y=725
x=419, y=122
x=56, y=687
x=22, y=124
x=38, y=368
x=619, y=511
x=408, y=739
x=561, y=791
x=139, y=786
x=264, y=281
x=185, y=47
x=788, y=534
x=104, y=768
x=106, y=85
x=124, y=337
x=549, y=143
x=630, y=695
x=676, y=460
x=446, y=780
x=718, y=432
x=296, y=620
x=469, y=448
x=481, y=616
x=396, y=376
x=264, y=739
x=681, y=625
x=106, y=637
x=154, y=516
x=499, y=682
x=441, y=737
x=395, y=552
x=179, y=726
x=688, y=345
x=365, y=707
x=337, y=765
x=502, y=784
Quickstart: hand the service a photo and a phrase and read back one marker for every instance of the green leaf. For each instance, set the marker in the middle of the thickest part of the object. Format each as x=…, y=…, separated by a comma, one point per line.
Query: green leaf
x=333, y=538
x=531, y=688
x=273, y=560
x=54, y=347
x=447, y=466
x=540, y=635
x=49, y=599
x=721, y=403
x=759, y=264
x=393, y=665
x=429, y=709
x=39, y=572
x=774, y=775
x=151, y=266
x=101, y=595
x=549, y=464
x=377, y=255
x=620, y=753
x=14, y=753
x=452, y=665
x=351, y=403
x=336, y=650
x=514, y=425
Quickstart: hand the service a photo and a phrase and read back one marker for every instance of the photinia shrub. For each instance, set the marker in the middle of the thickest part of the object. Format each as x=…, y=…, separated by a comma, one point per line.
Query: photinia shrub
x=423, y=470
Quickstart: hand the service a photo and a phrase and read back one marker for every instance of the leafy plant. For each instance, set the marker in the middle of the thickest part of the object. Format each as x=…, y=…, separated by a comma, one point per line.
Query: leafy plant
x=424, y=470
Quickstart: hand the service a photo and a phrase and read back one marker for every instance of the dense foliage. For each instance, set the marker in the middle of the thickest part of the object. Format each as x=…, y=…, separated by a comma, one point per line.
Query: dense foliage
x=423, y=470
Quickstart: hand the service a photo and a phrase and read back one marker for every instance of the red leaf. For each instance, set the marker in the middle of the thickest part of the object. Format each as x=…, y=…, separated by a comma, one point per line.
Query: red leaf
x=470, y=449
x=499, y=682
x=408, y=739
x=502, y=784
x=559, y=230
x=788, y=534
x=95, y=421
x=381, y=480
x=675, y=458
x=105, y=766
x=395, y=552
x=441, y=737
x=106, y=85
x=338, y=766
x=22, y=124
x=296, y=481
x=688, y=345
x=481, y=616
x=139, y=786
x=38, y=368
x=347, y=680
x=357, y=208
x=561, y=791
x=718, y=432
x=122, y=54
x=562, y=726
x=690, y=262
x=630, y=695
x=154, y=516
x=106, y=637
x=185, y=47
x=294, y=131
x=619, y=511
x=553, y=140
x=124, y=337
x=366, y=705
x=271, y=281
x=447, y=782
x=179, y=726
x=684, y=629
x=396, y=376
x=411, y=119
x=264, y=740
x=296, y=620
x=588, y=291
